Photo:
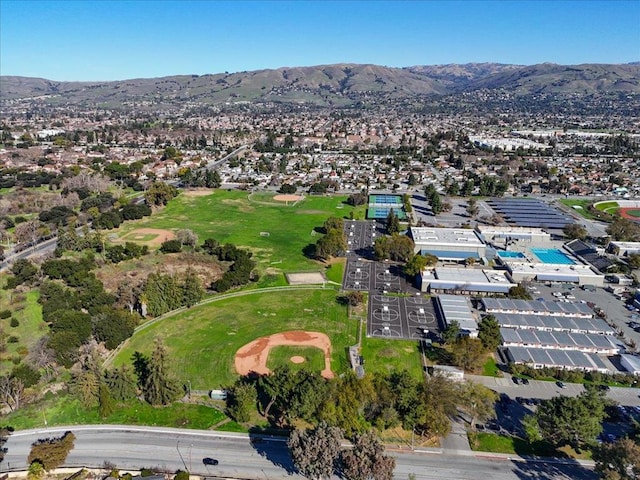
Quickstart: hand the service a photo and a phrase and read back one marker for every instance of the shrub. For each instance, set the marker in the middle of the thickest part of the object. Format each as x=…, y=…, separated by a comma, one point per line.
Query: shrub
x=5, y=314
x=181, y=475
x=14, y=322
x=171, y=246
x=13, y=339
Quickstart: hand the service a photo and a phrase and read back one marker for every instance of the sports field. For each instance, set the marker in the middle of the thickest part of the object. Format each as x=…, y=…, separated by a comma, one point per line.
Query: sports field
x=202, y=342
x=275, y=232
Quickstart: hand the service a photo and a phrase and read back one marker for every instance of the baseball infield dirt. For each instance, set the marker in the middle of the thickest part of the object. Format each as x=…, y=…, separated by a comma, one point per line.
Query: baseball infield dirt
x=253, y=356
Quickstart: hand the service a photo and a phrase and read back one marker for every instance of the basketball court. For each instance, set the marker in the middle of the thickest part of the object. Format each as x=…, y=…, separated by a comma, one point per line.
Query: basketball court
x=400, y=317
x=357, y=275
x=387, y=278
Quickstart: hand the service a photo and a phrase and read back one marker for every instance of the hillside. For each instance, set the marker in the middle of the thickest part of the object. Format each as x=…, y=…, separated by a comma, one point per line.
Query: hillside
x=335, y=85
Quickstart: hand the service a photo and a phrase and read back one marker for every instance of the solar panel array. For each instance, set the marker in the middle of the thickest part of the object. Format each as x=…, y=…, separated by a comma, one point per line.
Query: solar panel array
x=538, y=307
x=530, y=213
x=554, y=323
x=559, y=340
x=557, y=358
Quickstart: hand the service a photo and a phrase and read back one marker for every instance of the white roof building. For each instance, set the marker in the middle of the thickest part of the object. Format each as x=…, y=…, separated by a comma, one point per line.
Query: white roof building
x=448, y=243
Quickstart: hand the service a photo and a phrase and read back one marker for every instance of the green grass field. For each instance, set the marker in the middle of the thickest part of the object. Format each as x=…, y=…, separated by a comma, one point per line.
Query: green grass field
x=202, y=341
x=382, y=355
x=229, y=216
x=314, y=358
x=66, y=410
x=583, y=204
x=608, y=207
x=634, y=213
x=30, y=330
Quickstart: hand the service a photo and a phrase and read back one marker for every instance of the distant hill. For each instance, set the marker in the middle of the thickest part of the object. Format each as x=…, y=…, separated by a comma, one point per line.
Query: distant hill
x=340, y=84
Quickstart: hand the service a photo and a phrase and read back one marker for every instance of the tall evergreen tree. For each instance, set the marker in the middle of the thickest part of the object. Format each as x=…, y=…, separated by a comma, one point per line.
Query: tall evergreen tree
x=161, y=388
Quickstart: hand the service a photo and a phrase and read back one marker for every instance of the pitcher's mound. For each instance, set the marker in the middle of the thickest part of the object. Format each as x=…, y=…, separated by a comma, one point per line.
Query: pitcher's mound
x=297, y=359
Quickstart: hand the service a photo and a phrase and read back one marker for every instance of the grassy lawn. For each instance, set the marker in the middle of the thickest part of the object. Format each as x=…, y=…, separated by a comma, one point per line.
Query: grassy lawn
x=490, y=369
x=313, y=358
x=202, y=341
x=29, y=313
x=608, y=207
x=66, y=410
x=335, y=271
x=384, y=355
x=492, y=442
x=584, y=204
x=230, y=216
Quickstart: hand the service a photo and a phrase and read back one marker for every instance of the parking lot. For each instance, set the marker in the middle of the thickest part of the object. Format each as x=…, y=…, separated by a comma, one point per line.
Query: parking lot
x=400, y=317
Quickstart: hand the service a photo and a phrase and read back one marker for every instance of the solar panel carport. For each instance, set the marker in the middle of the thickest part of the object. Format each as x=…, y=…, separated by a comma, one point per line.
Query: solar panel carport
x=530, y=213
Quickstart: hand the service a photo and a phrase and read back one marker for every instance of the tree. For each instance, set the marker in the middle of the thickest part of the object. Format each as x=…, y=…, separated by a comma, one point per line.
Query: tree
x=357, y=199
x=489, y=333
x=478, y=402
x=353, y=298
x=519, y=292
x=468, y=353
x=436, y=204
x=106, y=404
x=397, y=247
x=11, y=392
x=451, y=332
x=472, y=207
x=85, y=386
x=619, y=460
x=187, y=237
x=331, y=244
x=161, y=388
x=241, y=400
x=574, y=421
x=634, y=260
x=366, y=460
x=51, y=452
x=160, y=193
x=171, y=246
x=575, y=231
x=192, y=288
x=315, y=452
x=624, y=230
x=392, y=223
x=417, y=264
x=121, y=385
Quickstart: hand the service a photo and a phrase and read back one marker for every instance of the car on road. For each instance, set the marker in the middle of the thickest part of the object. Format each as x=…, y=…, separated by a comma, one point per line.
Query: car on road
x=525, y=381
x=560, y=384
x=209, y=461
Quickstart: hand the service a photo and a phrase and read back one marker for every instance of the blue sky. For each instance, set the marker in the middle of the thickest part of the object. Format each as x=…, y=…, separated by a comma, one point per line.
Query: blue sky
x=114, y=40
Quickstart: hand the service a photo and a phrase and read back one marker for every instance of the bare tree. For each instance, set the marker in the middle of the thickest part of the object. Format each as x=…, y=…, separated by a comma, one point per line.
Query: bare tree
x=28, y=232
x=11, y=392
x=42, y=357
x=315, y=452
x=85, y=180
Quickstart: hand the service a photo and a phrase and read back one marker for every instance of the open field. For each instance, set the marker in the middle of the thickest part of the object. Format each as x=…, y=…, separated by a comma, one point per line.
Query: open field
x=583, y=204
x=29, y=313
x=313, y=358
x=229, y=216
x=66, y=410
x=384, y=355
x=608, y=207
x=202, y=342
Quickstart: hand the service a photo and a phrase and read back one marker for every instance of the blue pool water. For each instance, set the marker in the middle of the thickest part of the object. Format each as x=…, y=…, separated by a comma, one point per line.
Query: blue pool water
x=507, y=254
x=552, y=255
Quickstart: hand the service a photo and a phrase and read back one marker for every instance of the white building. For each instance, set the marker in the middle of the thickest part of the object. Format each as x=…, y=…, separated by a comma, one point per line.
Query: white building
x=553, y=272
x=454, y=244
x=500, y=236
x=465, y=281
x=631, y=363
x=623, y=249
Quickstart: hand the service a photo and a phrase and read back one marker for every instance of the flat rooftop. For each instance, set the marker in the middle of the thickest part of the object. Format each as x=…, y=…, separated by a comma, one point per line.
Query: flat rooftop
x=490, y=229
x=445, y=236
x=556, y=268
x=471, y=275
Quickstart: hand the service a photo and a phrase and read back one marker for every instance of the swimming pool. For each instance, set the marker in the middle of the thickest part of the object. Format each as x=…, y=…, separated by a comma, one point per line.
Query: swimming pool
x=509, y=254
x=552, y=255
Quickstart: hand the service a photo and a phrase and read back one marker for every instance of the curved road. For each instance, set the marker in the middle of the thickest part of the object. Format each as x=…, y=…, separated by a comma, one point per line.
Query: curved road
x=260, y=458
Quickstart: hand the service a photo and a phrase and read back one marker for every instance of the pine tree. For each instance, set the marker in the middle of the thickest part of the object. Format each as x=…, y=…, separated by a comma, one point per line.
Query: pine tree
x=121, y=384
x=192, y=288
x=160, y=388
x=106, y=405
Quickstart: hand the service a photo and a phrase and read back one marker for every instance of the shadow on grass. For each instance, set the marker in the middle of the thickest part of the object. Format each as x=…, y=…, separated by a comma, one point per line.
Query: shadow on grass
x=271, y=444
x=438, y=355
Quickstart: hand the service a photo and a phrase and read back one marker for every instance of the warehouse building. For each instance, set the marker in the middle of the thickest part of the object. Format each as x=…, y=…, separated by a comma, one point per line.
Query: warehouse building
x=536, y=307
x=453, y=244
x=505, y=236
x=583, y=342
x=465, y=281
x=553, y=272
x=455, y=308
x=567, y=359
x=553, y=323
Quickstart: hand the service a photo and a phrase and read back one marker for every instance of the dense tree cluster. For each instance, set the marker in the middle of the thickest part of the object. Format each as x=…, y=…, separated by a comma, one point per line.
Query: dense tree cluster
x=51, y=452
x=333, y=242
x=396, y=247
x=624, y=230
x=162, y=293
x=357, y=199
x=159, y=193
x=201, y=177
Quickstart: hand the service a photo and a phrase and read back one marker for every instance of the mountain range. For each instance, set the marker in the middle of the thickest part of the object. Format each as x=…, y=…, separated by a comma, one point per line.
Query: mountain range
x=337, y=85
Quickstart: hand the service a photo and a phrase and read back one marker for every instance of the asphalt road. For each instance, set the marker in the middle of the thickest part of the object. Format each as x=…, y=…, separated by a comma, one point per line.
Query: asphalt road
x=173, y=449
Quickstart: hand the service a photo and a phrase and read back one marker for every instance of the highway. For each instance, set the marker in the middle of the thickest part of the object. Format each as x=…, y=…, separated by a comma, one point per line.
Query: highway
x=261, y=458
